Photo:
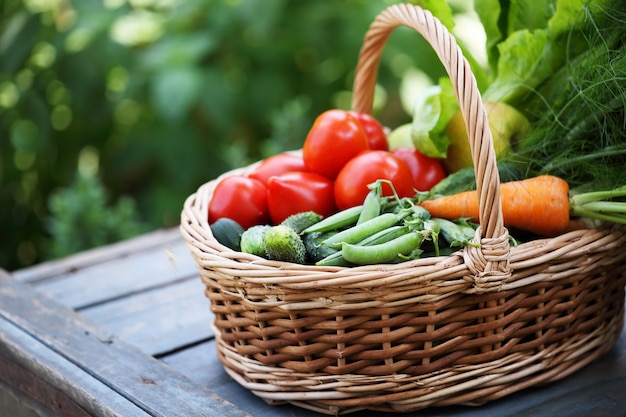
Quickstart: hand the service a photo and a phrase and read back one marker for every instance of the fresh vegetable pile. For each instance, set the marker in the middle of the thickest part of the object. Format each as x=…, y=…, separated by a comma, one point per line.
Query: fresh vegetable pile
x=555, y=100
x=381, y=230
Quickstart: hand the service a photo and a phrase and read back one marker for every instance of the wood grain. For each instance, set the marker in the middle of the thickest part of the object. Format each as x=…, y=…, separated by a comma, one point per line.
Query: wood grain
x=92, y=366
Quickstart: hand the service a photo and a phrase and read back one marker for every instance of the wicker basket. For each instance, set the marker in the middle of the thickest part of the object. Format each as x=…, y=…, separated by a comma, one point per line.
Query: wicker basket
x=466, y=328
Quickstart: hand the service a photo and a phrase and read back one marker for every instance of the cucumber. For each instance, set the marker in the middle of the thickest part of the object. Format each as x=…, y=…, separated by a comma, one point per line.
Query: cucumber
x=282, y=243
x=315, y=250
x=301, y=221
x=252, y=240
x=227, y=232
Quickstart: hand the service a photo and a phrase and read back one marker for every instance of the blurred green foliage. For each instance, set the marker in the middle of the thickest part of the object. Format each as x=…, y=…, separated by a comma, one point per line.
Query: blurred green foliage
x=84, y=206
x=151, y=98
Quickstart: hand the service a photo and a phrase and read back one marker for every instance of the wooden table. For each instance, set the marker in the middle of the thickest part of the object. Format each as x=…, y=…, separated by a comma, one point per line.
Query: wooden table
x=124, y=330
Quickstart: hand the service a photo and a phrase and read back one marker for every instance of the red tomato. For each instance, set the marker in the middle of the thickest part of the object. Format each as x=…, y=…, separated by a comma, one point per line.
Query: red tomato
x=240, y=198
x=367, y=167
x=335, y=138
x=426, y=171
x=376, y=135
x=277, y=165
x=295, y=192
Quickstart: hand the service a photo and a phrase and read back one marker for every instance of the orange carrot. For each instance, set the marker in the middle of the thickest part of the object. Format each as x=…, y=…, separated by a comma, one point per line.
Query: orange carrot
x=539, y=205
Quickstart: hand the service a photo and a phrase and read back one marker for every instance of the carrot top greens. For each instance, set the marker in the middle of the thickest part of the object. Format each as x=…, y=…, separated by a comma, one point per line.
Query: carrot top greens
x=600, y=205
x=579, y=124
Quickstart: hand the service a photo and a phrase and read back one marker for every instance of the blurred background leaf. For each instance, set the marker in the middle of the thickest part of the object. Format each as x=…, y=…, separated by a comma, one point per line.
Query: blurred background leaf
x=141, y=101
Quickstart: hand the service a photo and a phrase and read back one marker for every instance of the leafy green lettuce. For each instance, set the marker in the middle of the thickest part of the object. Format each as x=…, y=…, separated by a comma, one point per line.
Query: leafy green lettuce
x=432, y=112
x=525, y=44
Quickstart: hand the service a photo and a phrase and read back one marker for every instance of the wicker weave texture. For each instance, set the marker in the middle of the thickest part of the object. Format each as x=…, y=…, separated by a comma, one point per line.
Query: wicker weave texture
x=461, y=329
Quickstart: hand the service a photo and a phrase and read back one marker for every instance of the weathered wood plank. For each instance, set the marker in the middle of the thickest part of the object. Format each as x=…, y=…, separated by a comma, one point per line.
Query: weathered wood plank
x=92, y=366
x=159, y=320
x=151, y=267
x=48, y=368
x=161, y=237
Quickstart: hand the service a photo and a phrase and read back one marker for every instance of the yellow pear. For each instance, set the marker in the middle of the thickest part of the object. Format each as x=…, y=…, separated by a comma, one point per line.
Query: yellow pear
x=507, y=126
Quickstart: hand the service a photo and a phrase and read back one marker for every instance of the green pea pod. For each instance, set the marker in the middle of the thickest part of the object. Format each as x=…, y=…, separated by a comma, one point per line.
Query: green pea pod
x=339, y=220
x=363, y=230
x=337, y=259
x=455, y=234
x=382, y=253
x=371, y=207
x=385, y=235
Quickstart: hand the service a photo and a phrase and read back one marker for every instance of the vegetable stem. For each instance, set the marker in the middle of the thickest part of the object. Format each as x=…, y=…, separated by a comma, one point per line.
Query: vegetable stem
x=602, y=195
x=599, y=205
x=605, y=206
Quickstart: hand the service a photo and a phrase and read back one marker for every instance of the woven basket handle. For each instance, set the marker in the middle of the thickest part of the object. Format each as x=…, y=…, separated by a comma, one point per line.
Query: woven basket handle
x=492, y=258
x=464, y=83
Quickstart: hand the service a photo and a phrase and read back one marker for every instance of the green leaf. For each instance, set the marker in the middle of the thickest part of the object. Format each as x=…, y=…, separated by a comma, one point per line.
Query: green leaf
x=17, y=38
x=489, y=13
x=531, y=15
x=433, y=110
x=443, y=11
x=502, y=19
x=81, y=218
x=530, y=55
x=520, y=61
x=566, y=16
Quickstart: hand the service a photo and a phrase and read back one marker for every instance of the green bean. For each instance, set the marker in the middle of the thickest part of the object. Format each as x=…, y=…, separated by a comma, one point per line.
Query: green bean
x=339, y=220
x=382, y=253
x=363, y=230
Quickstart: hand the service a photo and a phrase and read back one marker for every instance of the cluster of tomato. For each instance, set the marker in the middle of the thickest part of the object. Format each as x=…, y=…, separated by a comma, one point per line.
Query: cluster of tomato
x=344, y=152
